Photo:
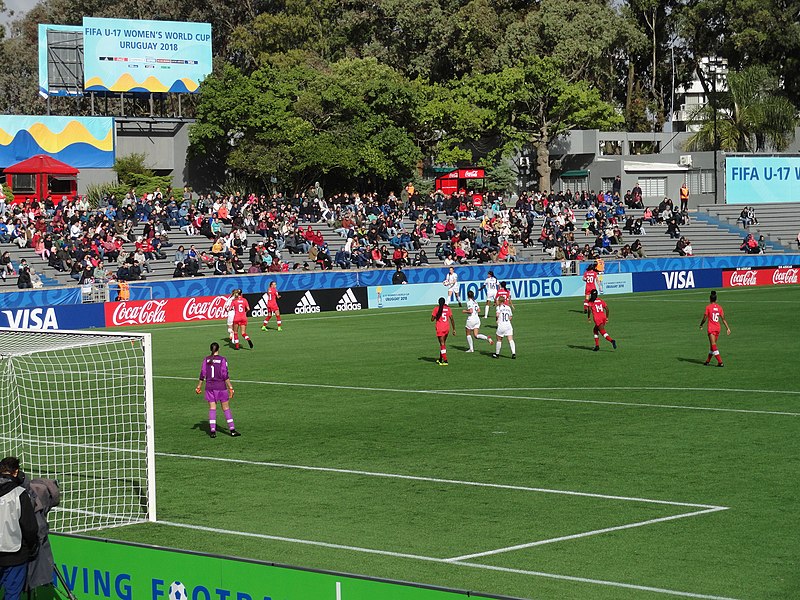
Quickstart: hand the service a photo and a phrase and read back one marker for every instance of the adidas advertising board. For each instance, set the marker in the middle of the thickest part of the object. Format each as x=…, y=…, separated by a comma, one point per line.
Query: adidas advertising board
x=306, y=302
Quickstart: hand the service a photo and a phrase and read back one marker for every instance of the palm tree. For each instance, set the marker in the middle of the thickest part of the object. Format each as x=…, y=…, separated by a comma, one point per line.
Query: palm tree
x=751, y=115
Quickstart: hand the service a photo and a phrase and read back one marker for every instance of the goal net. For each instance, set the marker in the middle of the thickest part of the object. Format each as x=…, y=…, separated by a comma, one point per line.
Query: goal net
x=78, y=407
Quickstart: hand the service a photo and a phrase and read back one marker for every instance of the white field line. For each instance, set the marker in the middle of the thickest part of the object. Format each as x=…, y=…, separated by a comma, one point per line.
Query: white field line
x=505, y=397
x=555, y=576
x=499, y=486
x=622, y=388
x=585, y=534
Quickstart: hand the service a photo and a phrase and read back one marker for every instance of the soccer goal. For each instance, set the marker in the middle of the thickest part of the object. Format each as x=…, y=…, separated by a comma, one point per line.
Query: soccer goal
x=78, y=407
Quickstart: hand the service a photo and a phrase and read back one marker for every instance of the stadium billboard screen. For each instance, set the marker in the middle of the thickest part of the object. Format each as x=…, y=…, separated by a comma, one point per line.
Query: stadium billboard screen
x=61, y=45
x=760, y=179
x=123, y=55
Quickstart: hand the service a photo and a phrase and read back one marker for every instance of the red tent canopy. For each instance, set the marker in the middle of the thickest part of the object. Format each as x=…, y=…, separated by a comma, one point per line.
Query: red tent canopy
x=41, y=163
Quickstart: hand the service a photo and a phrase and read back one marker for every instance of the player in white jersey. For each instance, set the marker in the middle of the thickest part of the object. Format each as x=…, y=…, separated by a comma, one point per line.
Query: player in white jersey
x=490, y=285
x=451, y=283
x=473, y=311
x=504, y=328
x=228, y=307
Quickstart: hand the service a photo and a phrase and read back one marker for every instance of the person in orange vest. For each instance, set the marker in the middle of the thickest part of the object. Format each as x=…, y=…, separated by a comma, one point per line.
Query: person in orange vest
x=124, y=292
x=684, y=197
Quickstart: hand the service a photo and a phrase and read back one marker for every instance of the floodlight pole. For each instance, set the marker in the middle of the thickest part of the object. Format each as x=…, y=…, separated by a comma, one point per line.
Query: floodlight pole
x=712, y=68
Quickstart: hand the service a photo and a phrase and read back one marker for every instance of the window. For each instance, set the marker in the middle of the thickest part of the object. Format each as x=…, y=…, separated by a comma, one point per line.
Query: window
x=608, y=184
x=575, y=184
x=653, y=187
x=701, y=181
x=24, y=182
x=644, y=147
x=610, y=148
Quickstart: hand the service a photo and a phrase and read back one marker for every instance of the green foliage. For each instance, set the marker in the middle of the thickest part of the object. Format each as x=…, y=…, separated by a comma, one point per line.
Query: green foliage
x=9, y=194
x=132, y=165
x=96, y=191
x=751, y=115
x=500, y=177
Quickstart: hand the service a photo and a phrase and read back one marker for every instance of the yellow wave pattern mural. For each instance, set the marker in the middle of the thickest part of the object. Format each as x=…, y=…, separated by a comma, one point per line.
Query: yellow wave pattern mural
x=83, y=142
x=126, y=83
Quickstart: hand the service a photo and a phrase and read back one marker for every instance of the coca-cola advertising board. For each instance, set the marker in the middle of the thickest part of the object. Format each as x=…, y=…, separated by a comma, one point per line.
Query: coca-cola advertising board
x=168, y=310
x=753, y=277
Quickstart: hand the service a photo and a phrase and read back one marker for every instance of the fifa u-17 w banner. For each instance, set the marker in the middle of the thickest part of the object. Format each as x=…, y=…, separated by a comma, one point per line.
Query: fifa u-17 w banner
x=124, y=55
x=95, y=568
x=424, y=294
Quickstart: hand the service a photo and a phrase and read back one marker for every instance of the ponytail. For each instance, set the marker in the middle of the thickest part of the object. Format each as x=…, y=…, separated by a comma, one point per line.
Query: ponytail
x=441, y=309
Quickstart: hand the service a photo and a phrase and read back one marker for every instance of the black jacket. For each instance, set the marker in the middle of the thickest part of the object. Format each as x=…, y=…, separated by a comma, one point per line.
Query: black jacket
x=27, y=523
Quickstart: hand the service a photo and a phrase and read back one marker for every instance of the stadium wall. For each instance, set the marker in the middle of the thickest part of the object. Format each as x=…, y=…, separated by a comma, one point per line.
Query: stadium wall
x=98, y=568
x=311, y=292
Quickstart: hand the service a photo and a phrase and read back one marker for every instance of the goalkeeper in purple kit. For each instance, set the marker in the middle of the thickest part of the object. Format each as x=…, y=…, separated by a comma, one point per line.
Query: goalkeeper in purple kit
x=219, y=388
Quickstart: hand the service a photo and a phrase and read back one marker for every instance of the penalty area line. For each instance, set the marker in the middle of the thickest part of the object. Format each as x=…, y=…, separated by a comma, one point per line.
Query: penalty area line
x=471, y=565
x=585, y=534
x=502, y=396
x=620, y=388
x=499, y=486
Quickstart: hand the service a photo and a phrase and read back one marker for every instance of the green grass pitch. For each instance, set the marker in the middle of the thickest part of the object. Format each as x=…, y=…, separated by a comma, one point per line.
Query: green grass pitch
x=358, y=397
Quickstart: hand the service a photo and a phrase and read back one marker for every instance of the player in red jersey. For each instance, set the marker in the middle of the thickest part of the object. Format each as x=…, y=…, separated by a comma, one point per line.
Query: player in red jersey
x=592, y=279
x=272, y=306
x=598, y=310
x=240, y=308
x=503, y=296
x=714, y=315
x=443, y=317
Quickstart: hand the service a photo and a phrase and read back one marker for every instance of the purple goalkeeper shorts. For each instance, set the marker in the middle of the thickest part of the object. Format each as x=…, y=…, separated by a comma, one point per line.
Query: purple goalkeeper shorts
x=217, y=395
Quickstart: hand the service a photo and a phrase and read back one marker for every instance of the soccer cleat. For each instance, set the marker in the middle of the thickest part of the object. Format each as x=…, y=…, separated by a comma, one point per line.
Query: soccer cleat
x=596, y=349
x=459, y=303
x=705, y=364
x=614, y=344
x=263, y=328
x=513, y=356
x=490, y=341
x=280, y=328
x=438, y=362
x=236, y=347
x=494, y=355
x=443, y=363
x=235, y=433
x=469, y=350
x=250, y=342
x=720, y=365
x=213, y=434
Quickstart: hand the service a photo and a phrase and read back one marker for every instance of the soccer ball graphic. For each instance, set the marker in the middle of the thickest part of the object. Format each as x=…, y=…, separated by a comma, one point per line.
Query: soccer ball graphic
x=177, y=591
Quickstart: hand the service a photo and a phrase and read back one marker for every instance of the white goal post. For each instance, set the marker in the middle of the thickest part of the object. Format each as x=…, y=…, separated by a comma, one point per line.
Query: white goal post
x=77, y=406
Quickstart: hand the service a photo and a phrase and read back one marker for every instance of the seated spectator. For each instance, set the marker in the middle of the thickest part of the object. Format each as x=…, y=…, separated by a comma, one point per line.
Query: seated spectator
x=342, y=258
x=180, y=271
x=673, y=230
x=421, y=259
x=637, y=249
x=749, y=245
x=377, y=257
x=6, y=268
x=24, y=280
x=762, y=245
x=744, y=218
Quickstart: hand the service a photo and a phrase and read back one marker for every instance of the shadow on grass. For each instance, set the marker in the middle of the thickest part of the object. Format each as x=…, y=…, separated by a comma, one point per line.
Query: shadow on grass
x=202, y=426
x=694, y=361
x=574, y=347
x=427, y=359
x=580, y=312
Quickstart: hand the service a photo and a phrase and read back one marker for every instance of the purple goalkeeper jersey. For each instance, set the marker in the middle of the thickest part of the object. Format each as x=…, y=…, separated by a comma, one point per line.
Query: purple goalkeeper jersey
x=214, y=372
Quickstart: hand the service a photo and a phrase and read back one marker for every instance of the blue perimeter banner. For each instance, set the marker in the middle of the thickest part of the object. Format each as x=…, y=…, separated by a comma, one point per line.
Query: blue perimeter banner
x=122, y=55
x=760, y=179
x=72, y=316
x=677, y=280
x=428, y=294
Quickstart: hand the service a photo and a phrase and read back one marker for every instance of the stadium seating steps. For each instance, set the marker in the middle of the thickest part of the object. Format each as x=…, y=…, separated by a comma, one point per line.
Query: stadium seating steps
x=709, y=238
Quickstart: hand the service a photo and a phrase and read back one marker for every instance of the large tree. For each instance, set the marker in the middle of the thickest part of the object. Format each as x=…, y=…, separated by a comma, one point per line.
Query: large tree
x=532, y=105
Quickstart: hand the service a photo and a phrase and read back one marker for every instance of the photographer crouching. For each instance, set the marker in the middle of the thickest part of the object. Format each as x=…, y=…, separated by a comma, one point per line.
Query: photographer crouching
x=19, y=530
